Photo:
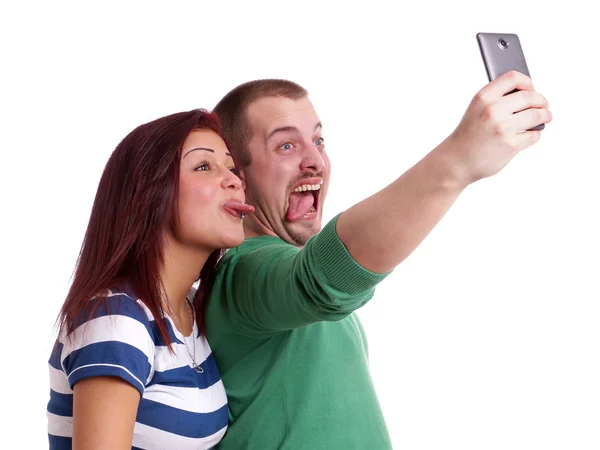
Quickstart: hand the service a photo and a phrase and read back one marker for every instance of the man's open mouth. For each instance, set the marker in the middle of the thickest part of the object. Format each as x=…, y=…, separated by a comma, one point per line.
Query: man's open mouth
x=303, y=202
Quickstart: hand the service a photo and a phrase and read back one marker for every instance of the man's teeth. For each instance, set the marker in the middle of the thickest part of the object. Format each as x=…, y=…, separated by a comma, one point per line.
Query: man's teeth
x=308, y=187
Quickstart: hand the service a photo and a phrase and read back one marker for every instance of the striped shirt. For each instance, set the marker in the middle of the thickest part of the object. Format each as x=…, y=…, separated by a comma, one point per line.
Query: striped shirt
x=179, y=407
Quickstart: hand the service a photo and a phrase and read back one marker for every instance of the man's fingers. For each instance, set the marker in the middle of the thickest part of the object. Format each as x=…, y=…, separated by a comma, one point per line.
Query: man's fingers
x=530, y=118
x=522, y=100
x=527, y=138
x=504, y=84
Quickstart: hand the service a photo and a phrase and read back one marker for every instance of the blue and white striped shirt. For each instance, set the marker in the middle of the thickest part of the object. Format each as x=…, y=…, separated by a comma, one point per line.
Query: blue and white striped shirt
x=179, y=407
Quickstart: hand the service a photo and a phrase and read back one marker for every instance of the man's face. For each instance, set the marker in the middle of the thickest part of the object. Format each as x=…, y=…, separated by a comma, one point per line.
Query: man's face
x=288, y=178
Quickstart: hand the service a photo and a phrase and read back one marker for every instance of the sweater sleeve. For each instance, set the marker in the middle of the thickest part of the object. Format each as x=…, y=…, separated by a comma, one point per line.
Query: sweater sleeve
x=278, y=286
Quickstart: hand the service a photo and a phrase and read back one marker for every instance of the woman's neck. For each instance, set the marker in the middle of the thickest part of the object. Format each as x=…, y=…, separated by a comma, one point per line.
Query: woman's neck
x=181, y=266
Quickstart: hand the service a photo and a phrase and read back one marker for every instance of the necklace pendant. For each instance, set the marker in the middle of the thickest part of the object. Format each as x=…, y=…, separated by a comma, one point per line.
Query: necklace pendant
x=198, y=369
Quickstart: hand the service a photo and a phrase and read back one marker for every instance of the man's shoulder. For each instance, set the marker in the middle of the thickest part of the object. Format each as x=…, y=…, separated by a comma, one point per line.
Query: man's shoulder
x=260, y=246
x=242, y=263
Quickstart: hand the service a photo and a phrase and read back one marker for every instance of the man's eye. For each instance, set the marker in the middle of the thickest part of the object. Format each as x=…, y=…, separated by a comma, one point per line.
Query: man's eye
x=319, y=141
x=286, y=146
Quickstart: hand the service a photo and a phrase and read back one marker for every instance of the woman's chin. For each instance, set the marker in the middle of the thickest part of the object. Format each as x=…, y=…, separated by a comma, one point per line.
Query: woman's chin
x=232, y=240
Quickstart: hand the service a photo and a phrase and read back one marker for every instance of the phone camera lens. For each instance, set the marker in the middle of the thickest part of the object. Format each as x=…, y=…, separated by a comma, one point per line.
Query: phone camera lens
x=503, y=44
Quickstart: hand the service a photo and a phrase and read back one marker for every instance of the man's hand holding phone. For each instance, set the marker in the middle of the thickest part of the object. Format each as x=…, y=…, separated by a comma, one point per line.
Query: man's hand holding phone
x=490, y=133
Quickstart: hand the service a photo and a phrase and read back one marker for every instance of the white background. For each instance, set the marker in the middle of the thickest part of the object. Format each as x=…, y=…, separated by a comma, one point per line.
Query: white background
x=487, y=337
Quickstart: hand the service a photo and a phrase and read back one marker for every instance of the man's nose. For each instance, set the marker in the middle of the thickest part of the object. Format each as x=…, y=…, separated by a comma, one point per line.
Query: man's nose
x=312, y=159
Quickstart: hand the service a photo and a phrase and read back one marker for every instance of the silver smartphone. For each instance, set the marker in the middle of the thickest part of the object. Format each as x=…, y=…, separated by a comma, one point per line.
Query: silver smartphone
x=502, y=52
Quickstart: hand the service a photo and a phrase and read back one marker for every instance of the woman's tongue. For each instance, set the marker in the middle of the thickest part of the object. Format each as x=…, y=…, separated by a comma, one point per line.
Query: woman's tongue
x=300, y=204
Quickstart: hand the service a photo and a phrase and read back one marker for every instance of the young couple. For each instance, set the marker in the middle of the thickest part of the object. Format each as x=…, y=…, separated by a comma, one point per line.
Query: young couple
x=267, y=353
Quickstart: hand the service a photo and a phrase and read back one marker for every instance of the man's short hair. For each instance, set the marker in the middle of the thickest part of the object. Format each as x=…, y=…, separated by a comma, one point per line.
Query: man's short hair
x=233, y=112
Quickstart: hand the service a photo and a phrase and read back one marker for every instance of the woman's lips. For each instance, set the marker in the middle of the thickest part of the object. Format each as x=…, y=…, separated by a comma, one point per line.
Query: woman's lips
x=238, y=209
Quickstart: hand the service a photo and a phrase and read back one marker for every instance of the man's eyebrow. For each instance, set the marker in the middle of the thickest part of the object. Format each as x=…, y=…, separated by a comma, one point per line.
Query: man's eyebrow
x=281, y=130
x=290, y=129
x=205, y=149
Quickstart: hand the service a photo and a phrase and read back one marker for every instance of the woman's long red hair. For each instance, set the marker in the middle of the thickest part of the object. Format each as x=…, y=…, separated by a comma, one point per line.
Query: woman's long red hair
x=135, y=204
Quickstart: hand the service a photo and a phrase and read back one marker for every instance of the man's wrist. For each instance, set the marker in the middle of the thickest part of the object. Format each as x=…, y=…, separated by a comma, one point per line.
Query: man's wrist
x=446, y=168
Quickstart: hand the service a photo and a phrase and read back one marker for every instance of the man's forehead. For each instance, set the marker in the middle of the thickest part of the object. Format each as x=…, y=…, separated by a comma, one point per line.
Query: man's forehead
x=269, y=113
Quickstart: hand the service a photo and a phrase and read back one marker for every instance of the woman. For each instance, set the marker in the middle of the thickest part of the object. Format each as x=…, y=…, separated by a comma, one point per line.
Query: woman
x=131, y=368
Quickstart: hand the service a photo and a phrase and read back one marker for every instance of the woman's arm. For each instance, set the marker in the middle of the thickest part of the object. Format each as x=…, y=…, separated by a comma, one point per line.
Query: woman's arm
x=104, y=412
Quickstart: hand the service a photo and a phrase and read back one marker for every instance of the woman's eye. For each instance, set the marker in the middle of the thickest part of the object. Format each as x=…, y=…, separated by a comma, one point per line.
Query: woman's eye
x=203, y=167
x=235, y=171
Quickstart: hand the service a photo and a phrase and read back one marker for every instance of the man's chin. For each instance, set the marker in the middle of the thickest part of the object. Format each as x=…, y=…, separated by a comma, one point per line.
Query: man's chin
x=301, y=231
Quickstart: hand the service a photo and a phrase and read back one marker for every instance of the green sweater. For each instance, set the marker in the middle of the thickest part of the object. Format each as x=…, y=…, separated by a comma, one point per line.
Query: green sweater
x=292, y=354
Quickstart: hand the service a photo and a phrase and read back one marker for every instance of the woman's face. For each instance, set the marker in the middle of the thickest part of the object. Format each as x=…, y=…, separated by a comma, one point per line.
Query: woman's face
x=211, y=198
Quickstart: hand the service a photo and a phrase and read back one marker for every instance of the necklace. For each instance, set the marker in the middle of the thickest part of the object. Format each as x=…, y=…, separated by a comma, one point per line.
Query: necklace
x=192, y=352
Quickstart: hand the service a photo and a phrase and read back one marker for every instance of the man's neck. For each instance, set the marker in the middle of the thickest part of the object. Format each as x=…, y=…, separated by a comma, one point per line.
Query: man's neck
x=254, y=228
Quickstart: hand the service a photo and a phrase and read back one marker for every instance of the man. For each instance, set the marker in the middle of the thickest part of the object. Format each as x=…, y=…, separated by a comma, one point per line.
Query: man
x=280, y=317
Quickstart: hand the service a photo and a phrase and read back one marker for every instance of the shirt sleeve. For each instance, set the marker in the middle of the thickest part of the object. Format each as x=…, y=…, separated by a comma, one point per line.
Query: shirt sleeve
x=115, y=341
x=280, y=287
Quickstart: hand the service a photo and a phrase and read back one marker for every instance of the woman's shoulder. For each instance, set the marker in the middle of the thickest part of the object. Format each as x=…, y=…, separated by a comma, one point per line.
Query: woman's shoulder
x=121, y=302
x=115, y=314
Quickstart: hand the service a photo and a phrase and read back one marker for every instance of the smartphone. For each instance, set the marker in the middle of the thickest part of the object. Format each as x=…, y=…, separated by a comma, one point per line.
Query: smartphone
x=502, y=52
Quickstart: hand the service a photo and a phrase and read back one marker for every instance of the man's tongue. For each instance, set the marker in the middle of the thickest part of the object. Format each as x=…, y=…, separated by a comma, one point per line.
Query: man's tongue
x=301, y=203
